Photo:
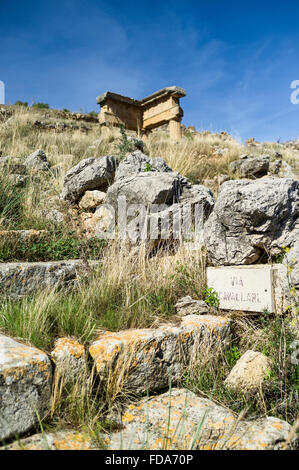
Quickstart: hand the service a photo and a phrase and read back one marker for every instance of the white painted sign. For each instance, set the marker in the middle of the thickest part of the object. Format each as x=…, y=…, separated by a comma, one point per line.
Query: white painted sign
x=248, y=288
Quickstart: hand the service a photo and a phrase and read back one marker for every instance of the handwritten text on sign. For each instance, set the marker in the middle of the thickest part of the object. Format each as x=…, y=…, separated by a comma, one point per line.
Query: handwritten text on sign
x=247, y=288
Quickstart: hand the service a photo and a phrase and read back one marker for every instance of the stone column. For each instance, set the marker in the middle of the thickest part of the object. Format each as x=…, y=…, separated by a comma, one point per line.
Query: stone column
x=175, y=131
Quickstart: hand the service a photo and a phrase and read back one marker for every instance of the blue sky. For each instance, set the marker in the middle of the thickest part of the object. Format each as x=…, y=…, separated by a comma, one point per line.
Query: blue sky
x=235, y=59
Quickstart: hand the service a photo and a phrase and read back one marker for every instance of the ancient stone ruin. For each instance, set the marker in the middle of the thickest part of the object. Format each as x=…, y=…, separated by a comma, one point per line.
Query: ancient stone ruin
x=141, y=116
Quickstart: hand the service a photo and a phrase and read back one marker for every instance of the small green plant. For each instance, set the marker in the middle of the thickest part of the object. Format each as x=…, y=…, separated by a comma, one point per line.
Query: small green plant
x=41, y=106
x=93, y=114
x=232, y=355
x=211, y=297
x=125, y=146
x=148, y=167
x=21, y=103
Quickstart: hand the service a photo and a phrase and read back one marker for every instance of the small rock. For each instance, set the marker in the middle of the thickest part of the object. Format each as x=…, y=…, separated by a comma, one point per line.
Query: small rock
x=137, y=162
x=188, y=306
x=37, y=161
x=249, y=372
x=91, y=200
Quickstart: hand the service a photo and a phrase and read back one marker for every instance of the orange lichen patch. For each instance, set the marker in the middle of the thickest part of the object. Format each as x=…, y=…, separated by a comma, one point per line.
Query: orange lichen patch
x=69, y=345
x=277, y=426
x=127, y=417
x=73, y=442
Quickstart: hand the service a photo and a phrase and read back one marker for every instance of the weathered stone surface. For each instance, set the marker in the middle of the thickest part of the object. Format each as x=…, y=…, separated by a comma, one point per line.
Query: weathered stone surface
x=37, y=161
x=188, y=306
x=20, y=279
x=184, y=220
x=25, y=387
x=186, y=421
x=146, y=188
x=251, y=218
x=63, y=440
x=92, y=199
x=249, y=372
x=137, y=162
x=250, y=166
x=69, y=358
x=23, y=236
x=99, y=224
x=89, y=174
x=146, y=358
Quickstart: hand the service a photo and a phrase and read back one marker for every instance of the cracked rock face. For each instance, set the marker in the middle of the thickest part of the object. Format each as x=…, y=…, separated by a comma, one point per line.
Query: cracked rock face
x=251, y=218
x=146, y=188
x=251, y=167
x=183, y=420
x=37, y=161
x=23, y=278
x=89, y=174
x=137, y=162
x=25, y=387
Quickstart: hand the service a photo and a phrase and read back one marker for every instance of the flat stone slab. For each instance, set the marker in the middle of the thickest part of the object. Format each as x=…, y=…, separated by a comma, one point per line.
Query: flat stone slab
x=250, y=288
x=20, y=279
x=181, y=420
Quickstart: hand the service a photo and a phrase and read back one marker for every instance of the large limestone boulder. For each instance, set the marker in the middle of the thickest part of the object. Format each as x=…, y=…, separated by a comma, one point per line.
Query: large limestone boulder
x=37, y=161
x=180, y=420
x=251, y=218
x=137, y=162
x=89, y=174
x=146, y=188
x=146, y=359
x=251, y=167
x=249, y=372
x=25, y=387
x=20, y=279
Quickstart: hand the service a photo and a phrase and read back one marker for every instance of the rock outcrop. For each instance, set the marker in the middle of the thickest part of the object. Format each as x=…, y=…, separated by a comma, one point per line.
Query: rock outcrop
x=137, y=162
x=89, y=174
x=251, y=167
x=146, y=188
x=251, y=218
